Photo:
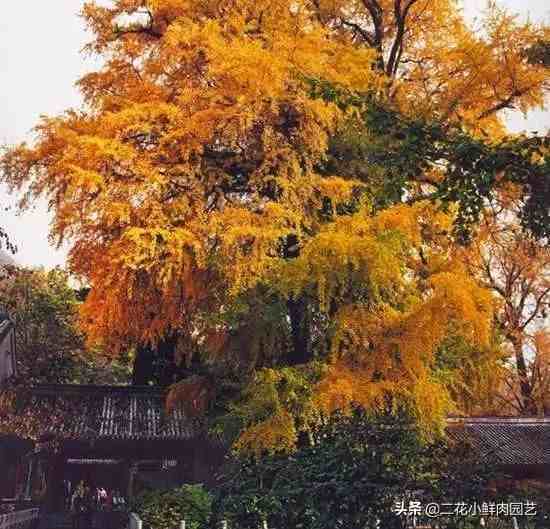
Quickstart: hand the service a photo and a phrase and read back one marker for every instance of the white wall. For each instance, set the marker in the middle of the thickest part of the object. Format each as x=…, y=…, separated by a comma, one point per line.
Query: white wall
x=7, y=352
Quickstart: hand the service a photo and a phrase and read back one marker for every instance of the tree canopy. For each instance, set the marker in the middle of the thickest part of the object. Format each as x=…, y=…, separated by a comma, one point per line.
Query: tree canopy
x=281, y=186
x=516, y=268
x=50, y=347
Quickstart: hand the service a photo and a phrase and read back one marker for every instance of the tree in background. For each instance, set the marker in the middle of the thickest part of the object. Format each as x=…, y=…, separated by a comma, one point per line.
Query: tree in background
x=50, y=348
x=205, y=192
x=5, y=241
x=516, y=268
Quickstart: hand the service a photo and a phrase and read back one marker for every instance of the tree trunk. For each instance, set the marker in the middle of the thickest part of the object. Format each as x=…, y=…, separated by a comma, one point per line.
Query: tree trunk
x=131, y=471
x=298, y=313
x=300, y=331
x=166, y=356
x=156, y=364
x=528, y=403
x=142, y=371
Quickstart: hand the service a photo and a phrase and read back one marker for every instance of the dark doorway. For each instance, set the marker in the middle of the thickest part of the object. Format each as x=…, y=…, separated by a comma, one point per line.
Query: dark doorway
x=109, y=474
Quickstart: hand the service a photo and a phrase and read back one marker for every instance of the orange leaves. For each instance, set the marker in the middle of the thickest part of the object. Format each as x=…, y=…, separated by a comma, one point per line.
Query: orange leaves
x=367, y=252
x=454, y=302
x=541, y=370
x=382, y=351
x=485, y=72
x=343, y=386
x=438, y=66
x=517, y=269
x=144, y=269
x=192, y=96
x=468, y=304
x=191, y=196
x=249, y=241
x=142, y=249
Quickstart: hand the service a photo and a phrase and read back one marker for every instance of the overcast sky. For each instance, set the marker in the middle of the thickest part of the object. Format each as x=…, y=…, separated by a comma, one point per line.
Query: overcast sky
x=40, y=59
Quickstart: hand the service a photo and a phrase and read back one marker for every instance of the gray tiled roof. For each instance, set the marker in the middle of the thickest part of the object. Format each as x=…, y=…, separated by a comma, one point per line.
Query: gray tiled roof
x=110, y=412
x=513, y=441
x=139, y=413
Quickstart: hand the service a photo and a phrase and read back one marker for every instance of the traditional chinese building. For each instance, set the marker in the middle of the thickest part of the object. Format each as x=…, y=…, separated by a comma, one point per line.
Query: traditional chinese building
x=118, y=437
x=520, y=445
x=11, y=449
x=7, y=347
x=123, y=438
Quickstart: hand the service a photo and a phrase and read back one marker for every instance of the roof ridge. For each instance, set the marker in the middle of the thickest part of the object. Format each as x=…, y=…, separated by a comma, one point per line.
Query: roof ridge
x=499, y=420
x=96, y=388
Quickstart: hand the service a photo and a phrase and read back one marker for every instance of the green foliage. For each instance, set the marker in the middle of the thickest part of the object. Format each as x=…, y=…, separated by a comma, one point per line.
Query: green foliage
x=393, y=153
x=351, y=476
x=472, y=373
x=539, y=53
x=289, y=388
x=50, y=347
x=165, y=509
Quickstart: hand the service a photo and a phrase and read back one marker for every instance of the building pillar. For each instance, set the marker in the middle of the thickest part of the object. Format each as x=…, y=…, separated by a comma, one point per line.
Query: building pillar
x=132, y=471
x=28, y=483
x=20, y=475
x=54, y=482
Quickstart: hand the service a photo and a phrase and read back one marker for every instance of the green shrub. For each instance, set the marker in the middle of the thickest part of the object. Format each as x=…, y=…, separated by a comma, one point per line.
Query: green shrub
x=165, y=509
x=351, y=476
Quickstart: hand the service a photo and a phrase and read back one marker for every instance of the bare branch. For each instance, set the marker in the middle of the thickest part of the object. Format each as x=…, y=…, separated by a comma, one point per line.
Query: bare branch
x=377, y=15
x=538, y=305
x=397, y=46
x=505, y=103
x=367, y=37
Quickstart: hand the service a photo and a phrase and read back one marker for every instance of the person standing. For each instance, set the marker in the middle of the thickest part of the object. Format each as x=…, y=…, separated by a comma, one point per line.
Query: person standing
x=77, y=505
x=88, y=511
x=67, y=494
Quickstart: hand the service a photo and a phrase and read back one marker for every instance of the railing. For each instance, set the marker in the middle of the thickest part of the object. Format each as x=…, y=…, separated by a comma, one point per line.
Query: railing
x=135, y=521
x=18, y=519
x=223, y=525
x=8, y=505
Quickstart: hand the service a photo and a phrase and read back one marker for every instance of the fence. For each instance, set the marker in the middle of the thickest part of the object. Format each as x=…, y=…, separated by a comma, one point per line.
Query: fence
x=223, y=525
x=135, y=522
x=18, y=519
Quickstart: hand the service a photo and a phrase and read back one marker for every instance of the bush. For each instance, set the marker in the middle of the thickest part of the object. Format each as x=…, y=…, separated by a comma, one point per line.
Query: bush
x=165, y=509
x=351, y=477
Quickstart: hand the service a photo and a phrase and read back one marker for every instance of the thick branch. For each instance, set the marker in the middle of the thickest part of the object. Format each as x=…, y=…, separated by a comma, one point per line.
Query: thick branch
x=147, y=29
x=367, y=37
x=505, y=103
x=376, y=13
x=397, y=46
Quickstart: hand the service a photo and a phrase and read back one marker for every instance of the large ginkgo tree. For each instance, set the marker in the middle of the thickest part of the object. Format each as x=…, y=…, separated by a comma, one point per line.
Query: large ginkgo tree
x=276, y=185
